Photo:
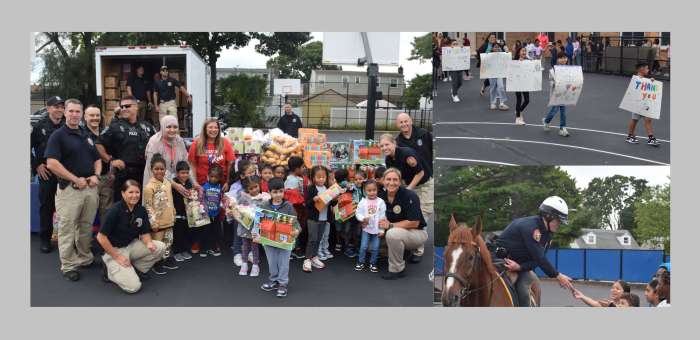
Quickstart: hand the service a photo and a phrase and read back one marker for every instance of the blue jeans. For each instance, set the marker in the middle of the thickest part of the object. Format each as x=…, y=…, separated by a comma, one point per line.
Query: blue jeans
x=497, y=91
x=373, y=242
x=562, y=115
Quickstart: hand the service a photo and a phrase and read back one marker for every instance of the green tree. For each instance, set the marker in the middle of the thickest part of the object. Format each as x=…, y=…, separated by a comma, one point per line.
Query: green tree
x=422, y=48
x=653, y=216
x=299, y=65
x=243, y=96
x=420, y=86
x=614, y=198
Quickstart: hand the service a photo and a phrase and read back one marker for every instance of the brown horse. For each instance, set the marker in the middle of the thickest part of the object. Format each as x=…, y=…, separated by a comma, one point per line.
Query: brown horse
x=471, y=279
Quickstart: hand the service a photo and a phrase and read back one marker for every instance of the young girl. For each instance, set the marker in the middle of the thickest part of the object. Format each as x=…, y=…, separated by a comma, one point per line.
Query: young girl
x=370, y=210
x=280, y=172
x=212, y=196
x=251, y=196
x=561, y=60
x=651, y=292
x=520, y=104
x=265, y=176
x=294, y=186
x=277, y=258
x=317, y=220
x=158, y=201
x=343, y=230
x=245, y=170
x=618, y=288
x=497, y=92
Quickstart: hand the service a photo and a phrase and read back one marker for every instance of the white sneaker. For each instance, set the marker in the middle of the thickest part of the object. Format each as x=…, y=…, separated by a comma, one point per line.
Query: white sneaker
x=178, y=257
x=244, y=269
x=254, y=271
x=522, y=119
x=563, y=132
x=238, y=260
x=306, y=266
x=455, y=99
x=545, y=125
x=329, y=256
x=186, y=255
x=316, y=263
x=322, y=256
x=444, y=80
x=493, y=106
x=250, y=257
x=503, y=107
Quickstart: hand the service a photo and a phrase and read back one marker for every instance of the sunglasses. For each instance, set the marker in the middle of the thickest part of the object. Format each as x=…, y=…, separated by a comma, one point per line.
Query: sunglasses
x=171, y=126
x=126, y=106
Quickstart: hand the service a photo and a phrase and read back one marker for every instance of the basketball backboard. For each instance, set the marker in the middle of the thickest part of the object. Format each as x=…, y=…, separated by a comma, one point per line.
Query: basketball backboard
x=287, y=87
x=347, y=47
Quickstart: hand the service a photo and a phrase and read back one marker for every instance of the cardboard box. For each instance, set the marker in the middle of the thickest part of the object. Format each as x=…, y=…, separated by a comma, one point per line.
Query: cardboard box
x=111, y=94
x=312, y=158
x=110, y=81
x=110, y=105
x=366, y=152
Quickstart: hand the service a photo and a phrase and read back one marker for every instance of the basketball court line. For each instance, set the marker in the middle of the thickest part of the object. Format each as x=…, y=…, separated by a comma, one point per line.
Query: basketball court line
x=556, y=144
x=473, y=161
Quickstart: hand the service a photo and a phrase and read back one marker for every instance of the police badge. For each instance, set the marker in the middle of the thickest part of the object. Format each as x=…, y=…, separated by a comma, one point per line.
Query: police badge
x=537, y=235
x=397, y=209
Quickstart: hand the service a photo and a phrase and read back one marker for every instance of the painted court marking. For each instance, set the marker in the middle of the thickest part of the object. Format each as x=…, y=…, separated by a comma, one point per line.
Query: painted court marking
x=556, y=144
x=473, y=161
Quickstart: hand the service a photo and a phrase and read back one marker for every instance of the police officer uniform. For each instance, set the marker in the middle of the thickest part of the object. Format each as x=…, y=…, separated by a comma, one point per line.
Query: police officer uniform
x=424, y=188
x=139, y=89
x=47, y=188
x=526, y=241
x=123, y=229
x=127, y=142
x=421, y=140
x=105, y=188
x=166, y=95
x=405, y=207
x=76, y=208
x=290, y=124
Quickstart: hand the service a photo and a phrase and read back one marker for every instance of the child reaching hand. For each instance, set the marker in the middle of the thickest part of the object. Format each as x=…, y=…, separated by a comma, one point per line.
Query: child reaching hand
x=370, y=210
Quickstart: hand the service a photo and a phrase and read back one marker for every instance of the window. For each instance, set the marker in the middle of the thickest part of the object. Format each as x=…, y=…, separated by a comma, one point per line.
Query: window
x=626, y=240
x=550, y=37
x=357, y=79
x=633, y=38
x=665, y=38
x=590, y=238
x=394, y=82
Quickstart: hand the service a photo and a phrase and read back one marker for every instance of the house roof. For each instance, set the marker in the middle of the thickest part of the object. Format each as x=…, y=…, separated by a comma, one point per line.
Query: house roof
x=328, y=92
x=381, y=74
x=605, y=239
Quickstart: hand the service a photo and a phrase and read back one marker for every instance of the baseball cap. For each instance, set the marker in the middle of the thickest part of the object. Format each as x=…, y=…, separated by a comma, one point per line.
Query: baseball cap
x=163, y=67
x=55, y=100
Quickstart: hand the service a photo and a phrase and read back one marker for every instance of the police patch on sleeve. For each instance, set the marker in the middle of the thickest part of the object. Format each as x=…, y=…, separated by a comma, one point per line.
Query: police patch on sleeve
x=420, y=142
x=138, y=222
x=537, y=235
x=89, y=140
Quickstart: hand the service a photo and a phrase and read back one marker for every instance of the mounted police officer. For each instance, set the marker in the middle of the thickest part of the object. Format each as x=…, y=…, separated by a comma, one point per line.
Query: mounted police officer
x=123, y=145
x=524, y=242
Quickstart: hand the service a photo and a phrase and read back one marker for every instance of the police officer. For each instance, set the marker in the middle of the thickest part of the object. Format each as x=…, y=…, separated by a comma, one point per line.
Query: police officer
x=92, y=120
x=47, y=181
x=290, y=123
x=164, y=94
x=71, y=155
x=123, y=145
x=416, y=138
x=525, y=241
x=138, y=87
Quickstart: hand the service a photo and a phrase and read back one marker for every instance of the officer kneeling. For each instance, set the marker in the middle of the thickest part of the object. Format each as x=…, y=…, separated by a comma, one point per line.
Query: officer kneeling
x=125, y=236
x=525, y=242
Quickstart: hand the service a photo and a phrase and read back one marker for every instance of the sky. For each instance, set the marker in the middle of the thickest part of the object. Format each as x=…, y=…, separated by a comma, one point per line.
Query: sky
x=247, y=58
x=655, y=175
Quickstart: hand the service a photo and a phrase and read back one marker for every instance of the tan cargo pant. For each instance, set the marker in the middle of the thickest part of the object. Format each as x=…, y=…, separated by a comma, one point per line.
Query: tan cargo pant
x=398, y=240
x=426, y=194
x=105, y=191
x=76, y=211
x=167, y=108
x=141, y=259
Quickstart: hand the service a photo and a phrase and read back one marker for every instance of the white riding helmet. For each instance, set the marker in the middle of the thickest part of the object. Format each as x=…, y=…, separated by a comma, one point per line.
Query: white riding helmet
x=556, y=207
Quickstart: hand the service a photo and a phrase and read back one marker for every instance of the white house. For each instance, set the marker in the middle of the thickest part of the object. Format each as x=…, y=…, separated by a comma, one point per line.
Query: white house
x=605, y=239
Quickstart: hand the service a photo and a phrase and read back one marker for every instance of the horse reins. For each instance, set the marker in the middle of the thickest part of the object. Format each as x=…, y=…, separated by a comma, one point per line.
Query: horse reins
x=465, y=291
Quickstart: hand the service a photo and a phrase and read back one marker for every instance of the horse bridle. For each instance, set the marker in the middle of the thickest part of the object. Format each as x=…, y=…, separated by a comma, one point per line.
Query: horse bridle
x=466, y=291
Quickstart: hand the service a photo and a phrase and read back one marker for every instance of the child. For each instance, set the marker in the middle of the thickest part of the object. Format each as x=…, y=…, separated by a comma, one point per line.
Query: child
x=265, y=177
x=212, y=196
x=158, y=201
x=642, y=71
x=628, y=300
x=316, y=220
x=294, y=194
x=245, y=170
x=370, y=210
x=520, y=104
x=651, y=293
x=280, y=172
x=277, y=258
x=378, y=177
x=617, y=289
x=561, y=60
x=343, y=230
x=359, y=193
x=251, y=196
x=498, y=89
x=181, y=228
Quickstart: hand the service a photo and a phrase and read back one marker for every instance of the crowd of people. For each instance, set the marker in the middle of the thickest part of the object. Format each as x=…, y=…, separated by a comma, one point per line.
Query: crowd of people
x=138, y=179
x=657, y=292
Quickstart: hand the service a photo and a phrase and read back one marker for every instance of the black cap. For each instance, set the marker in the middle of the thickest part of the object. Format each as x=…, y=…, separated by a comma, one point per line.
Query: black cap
x=55, y=100
x=163, y=67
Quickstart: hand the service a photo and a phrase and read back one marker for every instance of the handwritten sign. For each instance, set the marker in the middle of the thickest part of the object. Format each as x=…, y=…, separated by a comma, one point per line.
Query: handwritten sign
x=568, y=84
x=643, y=97
x=524, y=76
x=494, y=65
x=455, y=58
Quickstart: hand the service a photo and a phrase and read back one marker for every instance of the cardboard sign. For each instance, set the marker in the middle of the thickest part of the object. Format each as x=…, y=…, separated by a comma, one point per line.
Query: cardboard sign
x=643, y=97
x=524, y=76
x=274, y=229
x=455, y=58
x=568, y=84
x=494, y=65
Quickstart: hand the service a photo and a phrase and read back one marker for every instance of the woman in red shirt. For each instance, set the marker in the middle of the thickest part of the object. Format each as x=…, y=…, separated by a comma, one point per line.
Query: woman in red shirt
x=209, y=148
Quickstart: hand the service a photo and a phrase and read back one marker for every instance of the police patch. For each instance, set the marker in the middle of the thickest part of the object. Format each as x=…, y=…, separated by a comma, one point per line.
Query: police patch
x=121, y=128
x=420, y=142
x=397, y=209
x=138, y=222
x=294, y=120
x=537, y=235
x=89, y=140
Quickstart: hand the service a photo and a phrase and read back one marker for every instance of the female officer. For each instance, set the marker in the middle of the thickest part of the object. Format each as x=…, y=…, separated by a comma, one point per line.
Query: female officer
x=125, y=236
x=404, y=223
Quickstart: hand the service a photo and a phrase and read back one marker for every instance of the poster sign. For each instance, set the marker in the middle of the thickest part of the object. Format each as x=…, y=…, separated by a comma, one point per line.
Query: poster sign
x=340, y=153
x=524, y=76
x=455, y=58
x=643, y=96
x=568, y=83
x=494, y=65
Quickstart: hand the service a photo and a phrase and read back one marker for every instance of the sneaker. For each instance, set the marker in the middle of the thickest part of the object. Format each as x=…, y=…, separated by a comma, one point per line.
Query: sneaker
x=329, y=255
x=269, y=286
x=468, y=78
x=214, y=252
x=158, y=269
x=653, y=142
x=492, y=107
x=250, y=257
x=445, y=80
x=195, y=248
x=238, y=260
x=203, y=254
x=322, y=256
x=455, y=99
x=359, y=266
x=306, y=266
x=255, y=271
x=105, y=277
x=338, y=247
x=169, y=263
x=503, y=107
x=316, y=263
x=142, y=276
x=178, y=257
x=281, y=291
x=186, y=255
x=244, y=269
x=393, y=276
x=519, y=121
x=72, y=275
x=545, y=125
x=563, y=132
x=350, y=252
x=373, y=268
x=632, y=140
x=298, y=254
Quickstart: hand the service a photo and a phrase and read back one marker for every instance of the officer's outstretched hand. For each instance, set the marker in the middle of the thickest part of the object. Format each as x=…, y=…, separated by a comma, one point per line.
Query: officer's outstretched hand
x=565, y=281
x=512, y=265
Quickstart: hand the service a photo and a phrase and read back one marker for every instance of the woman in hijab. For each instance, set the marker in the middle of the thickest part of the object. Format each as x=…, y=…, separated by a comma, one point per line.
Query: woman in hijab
x=171, y=146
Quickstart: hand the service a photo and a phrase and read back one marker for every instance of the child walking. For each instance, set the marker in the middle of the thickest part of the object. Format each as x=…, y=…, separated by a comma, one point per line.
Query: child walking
x=497, y=92
x=181, y=230
x=158, y=201
x=370, y=210
x=521, y=98
x=561, y=60
x=317, y=220
x=251, y=196
x=277, y=258
x=642, y=71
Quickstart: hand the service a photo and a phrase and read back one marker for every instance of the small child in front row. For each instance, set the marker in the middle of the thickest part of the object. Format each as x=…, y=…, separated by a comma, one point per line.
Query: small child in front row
x=244, y=170
x=343, y=230
x=212, y=195
x=643, y=72
x=378, y=177
x=370, y=210
x=251, y=196
x=181, y=230
x=277, y=258
x=317, y=220
x=561, y=60
x=158, y=201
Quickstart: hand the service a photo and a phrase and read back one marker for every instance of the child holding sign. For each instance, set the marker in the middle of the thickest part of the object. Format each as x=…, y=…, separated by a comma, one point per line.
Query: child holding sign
x=643, y=72
x=497, y=92
x=562, y=59
x=521, y=98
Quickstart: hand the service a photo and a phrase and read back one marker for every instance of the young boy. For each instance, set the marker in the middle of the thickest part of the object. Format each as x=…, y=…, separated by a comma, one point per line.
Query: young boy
x=562, y=59
x=266, y=175
x=642, y=71
x=212, y=194
x=181, y=235
x=279, y=171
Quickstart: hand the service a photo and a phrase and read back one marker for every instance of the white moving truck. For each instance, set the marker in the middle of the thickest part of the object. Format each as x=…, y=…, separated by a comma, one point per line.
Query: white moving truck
x=114, y=66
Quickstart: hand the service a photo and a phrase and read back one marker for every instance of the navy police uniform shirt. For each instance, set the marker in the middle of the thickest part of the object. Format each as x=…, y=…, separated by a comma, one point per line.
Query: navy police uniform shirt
x=400, y=161
x=139, y=86
x=166, y=89
x=127, y=141
x=421, y=141
x=405, y=207
x=290, y=124
x=75, y=149
x=40, y=137
x=526, y=240
x=122, y=226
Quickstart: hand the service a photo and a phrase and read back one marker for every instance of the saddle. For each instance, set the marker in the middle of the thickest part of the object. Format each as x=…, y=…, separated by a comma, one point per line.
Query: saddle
x=497, y=255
